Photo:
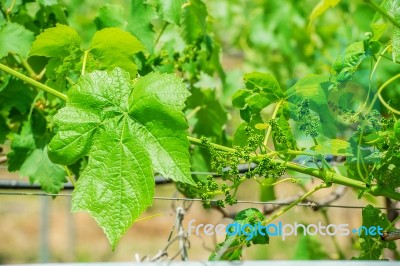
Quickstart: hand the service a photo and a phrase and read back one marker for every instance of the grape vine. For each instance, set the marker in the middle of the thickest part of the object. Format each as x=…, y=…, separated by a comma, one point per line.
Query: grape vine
x=92, y=107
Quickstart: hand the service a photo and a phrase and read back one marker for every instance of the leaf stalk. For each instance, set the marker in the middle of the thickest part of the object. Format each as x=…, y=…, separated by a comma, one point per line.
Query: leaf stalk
x=33, y=82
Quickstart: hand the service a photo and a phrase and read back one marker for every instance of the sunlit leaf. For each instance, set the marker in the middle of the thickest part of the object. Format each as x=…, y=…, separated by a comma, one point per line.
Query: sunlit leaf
x=231, y=249
x=371, y=244
x=336, y=147
x=319, y=9
x=127, y=131
x=15, y=39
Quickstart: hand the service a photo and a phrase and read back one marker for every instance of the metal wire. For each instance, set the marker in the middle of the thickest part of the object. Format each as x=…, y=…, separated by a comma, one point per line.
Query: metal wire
x=158, y=179
x=309, y=204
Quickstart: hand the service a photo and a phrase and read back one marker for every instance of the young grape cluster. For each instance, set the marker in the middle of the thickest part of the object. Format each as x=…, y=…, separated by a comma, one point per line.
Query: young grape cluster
x=226, y=165
x=383, y=164
x=277, y=132
x=268, y=169
x=371, y=121
x=308, y=123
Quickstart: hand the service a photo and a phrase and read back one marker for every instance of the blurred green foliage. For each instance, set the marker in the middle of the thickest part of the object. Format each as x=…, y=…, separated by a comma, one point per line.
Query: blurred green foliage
x=315, y=61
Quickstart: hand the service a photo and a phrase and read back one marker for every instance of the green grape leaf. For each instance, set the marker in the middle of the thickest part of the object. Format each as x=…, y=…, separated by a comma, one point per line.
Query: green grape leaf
x=3, y=20
x=113, y=47
x=170, y=10
x=386, y=172
x=378, y=29
x=48, y=2
x=62, y=45
x=230, y=250
x=396, y=42
x=315, y=89
x=375, y=157
x=232, y=247
x=200, y=162
x=21, y=145
x=210, y=60
x=109, y=48
x=139, y=23
x=263, y=82
x=16, y=94
x=111, y=16
x=33, y=162
x=265, y=91
x=309, y=248
x=210, y=110
x=239, y=98
x=3, y=129
x=371, y=244
x=40, y=169
x=352, y=161
x=336, y=147
x=257, y=101
x=252, y=216
x=311, y=87
x=14, y=6
x=396, y=128
x=58, y=41
x=193, y=20
x=393, y=8
x=16, y=39
x=347, y=63
x=32, y=9
x=289, y=142
x=262, y=89
x=240, y=138
x=5, y=80
x=127, y=131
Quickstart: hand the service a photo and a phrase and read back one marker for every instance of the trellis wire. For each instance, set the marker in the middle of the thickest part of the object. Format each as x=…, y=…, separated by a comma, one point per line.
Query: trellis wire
x=243, y=168
x=158, y=179
x=309, y=204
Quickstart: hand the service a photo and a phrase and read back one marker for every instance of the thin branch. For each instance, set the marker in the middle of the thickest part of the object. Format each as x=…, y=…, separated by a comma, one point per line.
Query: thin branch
x=193, y=112
x=391, y=235
x=302, y=198
x=9, y=10
x=41, y=74
x=315, y=205
x=216, y=146
x=85, y=55
x=33, y=82
x=27, y=66
x=274, y=114
x=161, y=33
x=71, y=178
